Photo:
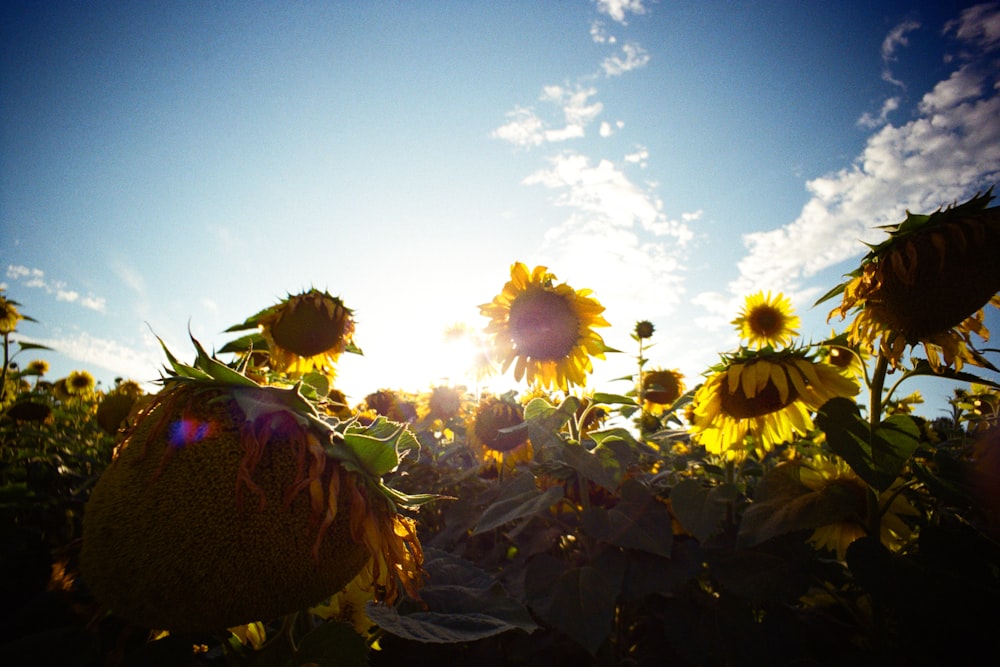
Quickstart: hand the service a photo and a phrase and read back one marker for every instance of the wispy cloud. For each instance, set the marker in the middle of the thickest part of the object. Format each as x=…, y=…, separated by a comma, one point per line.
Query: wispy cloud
x=526, y=129
x=978, y=26
x=35, y=278
x=896, y=38
x=870, y=122
x=633, y=57
x=619, y=10
x=599, y=33
x=142, y=365
x=947, y=152
x=619, y=230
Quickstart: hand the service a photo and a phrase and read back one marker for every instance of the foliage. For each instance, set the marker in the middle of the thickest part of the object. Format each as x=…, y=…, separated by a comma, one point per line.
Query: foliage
x=607, y=536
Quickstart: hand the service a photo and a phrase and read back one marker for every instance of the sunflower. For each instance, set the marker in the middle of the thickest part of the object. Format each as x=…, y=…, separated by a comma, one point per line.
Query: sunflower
x=9, y=315
x=117, y=405
x=79, y=383
x=822, y=472
x=660, y=389
x=391, y=405
x=767, y=321
x=546, y=328
x=229, y=503
x=304, y=332
x=761, y=399
x=644, y=329
x=927, y=284
x=497, y=433
x=37, y=367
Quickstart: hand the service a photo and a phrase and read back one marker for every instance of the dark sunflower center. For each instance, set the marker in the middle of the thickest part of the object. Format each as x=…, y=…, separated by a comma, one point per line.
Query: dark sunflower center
x=543, y=325
x=309, y=329
x=490, y=423
x=660, y=388
x=767, y=400
x=766, y=321
x=933, y=283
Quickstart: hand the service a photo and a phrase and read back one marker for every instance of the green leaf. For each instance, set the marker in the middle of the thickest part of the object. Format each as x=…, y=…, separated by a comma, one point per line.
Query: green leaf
x=24, y=345
x=580, y=603
x=519, y=498
x=923, y=367
x=638, y=522
x=785, y=505
x=545, y=421
x=701, y=509
x=332, y=644
x=255, y=342
x=374, y=448
x=877, y=457
x=613, y=399
x=464, y=603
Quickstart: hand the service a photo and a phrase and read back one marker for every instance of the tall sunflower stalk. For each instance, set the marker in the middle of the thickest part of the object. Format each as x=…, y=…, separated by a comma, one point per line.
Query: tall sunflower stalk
x=926, y=284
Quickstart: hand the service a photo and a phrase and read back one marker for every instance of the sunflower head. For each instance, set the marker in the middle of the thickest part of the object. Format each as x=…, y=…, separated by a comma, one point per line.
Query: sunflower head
x=660, y=389
x=767, y=321
x=229, y=502
x=79, y=384
x=391, y=405
x=545, y=330
x=498, y=433
x=927, y=284
x=37, y=367
x=9, y=315
x=304, y=332
x=644, y=329
x=819, y=473
x=756, y=400
x=117, y=405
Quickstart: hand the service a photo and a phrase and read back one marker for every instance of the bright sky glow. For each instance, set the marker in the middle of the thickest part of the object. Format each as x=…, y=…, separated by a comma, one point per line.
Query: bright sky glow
x=166, y=168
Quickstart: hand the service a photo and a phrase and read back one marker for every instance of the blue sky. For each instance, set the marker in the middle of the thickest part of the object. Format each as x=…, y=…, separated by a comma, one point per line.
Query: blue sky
x=166, y=166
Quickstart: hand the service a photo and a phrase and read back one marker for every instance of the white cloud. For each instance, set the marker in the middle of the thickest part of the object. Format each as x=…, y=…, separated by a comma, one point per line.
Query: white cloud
x=523, y=128
x=605, y=193
x=979, y=26
x=600, y=35
x=634, y=57
x=526, y=129
x=616, y=238
x=639, y=157
x=618, y=10
x=870, y=122
x=90, y=351
x=35, y=278
x=946, y=153
x=896, y=38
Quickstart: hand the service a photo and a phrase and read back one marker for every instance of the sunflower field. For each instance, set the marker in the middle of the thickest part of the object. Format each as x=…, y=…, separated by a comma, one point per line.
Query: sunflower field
x=786, y=508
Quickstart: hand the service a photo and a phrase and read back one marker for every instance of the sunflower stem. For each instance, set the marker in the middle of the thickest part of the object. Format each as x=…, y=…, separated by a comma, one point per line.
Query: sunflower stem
x=874, y=419
x=3, y=373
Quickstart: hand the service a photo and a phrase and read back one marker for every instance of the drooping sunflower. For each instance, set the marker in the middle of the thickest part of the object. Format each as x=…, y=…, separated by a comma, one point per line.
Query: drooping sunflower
x=755, y=400
x=497, y=433
x=927, y=284
x=229, y=502
x=390, y=404
x=767, y=321
x=545, y=330
x=9, y=315
x=660, y=389
x=116, y=406
x=304, y=332
x=821, y=472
